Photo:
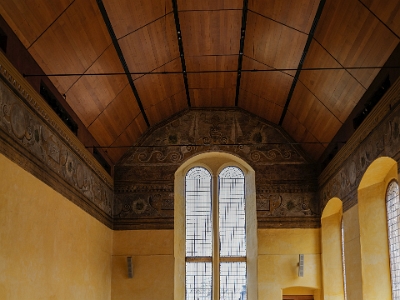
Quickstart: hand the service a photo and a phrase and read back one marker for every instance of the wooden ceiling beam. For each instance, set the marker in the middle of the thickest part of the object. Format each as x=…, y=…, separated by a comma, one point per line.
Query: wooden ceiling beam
x=121, y=58
x=241, y=49
x=181, y=53
x=303, y=57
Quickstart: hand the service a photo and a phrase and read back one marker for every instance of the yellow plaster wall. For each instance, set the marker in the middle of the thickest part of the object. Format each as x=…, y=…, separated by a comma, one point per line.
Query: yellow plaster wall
x=152, y=253
x=278, y=254
x=375, y=271
x=352, y=253
x=332, y=270
x=49, y=248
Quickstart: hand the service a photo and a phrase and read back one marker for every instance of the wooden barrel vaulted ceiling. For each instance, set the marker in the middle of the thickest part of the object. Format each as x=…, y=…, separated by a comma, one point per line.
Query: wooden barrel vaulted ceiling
x=127, y=65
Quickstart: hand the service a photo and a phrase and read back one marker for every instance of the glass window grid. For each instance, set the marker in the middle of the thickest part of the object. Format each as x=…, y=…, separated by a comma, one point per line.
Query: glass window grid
x=393, y=215
x=231, y=202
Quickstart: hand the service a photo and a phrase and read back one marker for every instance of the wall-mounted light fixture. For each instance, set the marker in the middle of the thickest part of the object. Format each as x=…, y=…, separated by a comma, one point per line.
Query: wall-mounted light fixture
x=301, y=265
x=130, y=267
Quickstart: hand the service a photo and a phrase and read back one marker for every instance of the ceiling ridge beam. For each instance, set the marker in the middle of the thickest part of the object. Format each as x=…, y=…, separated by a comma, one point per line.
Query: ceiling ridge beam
x=241, y=49
x=121, y=58
x=181, y=53
x=303, y=56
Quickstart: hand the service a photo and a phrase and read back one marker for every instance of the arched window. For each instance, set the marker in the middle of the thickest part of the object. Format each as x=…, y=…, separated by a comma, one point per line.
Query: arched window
x=343, y=259
x=393, y=212
x=215, y=242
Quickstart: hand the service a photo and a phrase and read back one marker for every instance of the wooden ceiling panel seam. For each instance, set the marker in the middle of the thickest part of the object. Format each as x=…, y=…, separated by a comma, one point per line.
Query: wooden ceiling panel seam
x=87, y=69
x=344, y=68
x=319, y=100
x=122, y=132
x=322, y=143
x=278, y=22
x=382, y=22
x=110, y=103
x=51, y=24
x=142, y=27
x=9, y=9
x=259, y=96
x=128, y=16
x=154, y=72
x=305, y=51
x=297, y=14
x=284, y=71
x=163, y=100
x=121, y=56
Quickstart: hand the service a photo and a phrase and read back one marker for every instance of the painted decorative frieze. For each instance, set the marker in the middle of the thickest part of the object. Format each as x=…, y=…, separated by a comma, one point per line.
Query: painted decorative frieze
x=285, y=178
x=33, y=138
x=380, y=136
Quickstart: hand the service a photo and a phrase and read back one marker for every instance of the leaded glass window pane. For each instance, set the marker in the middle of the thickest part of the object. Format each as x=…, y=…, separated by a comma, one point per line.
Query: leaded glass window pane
x=232, y=215
x=198, y=213
x=198, y=281
x=233, y=281
x=393, y=212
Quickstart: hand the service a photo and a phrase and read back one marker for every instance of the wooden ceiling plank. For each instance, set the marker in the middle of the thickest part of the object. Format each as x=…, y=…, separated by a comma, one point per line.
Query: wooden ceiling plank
x=30, y=19
x=313, y=115
x=121, y=57
x=337, y=89
x=59, y=49
x=264, y=108
x=220, y=83
x=209, y=5
x=388, y=12
x=127, y=138
x=355, y=37
x=158, y=86
x=152, y=46
x=210, y=32
x=296, y=14
x=165, y=108
x=305, y=51
x=115, y=118
x=273, y=44
x=305, y=138
x=264, y=84
x=128, y=16
x=213, y=97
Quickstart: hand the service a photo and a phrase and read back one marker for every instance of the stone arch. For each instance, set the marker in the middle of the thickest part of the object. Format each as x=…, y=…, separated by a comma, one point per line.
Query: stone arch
x=331, y=246
x=374, y=251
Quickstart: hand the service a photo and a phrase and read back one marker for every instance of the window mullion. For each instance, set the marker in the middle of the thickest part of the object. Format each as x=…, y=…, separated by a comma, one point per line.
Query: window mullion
x=216, y=245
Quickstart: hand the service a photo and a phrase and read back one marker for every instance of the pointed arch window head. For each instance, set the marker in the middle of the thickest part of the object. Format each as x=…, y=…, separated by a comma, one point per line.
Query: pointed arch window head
x=393, y=214
x=215, y=234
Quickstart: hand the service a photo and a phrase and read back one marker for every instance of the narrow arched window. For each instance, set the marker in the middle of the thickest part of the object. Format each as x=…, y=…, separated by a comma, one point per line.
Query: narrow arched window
x=215, y=235
x=393, y=212
x=199, y=234
x=343, y=259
